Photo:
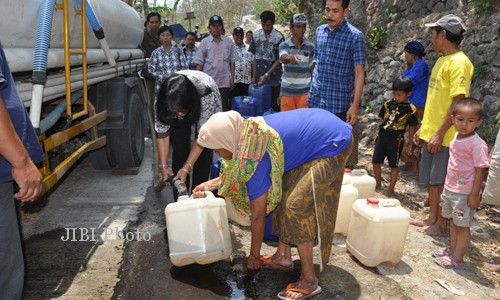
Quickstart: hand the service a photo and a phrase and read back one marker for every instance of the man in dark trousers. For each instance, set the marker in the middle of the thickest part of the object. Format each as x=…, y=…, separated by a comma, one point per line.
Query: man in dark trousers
x=19, y=148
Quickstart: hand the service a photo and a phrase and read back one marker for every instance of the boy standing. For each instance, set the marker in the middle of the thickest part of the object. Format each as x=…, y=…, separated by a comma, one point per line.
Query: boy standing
x=297, y=57
x=397, y=114
x=450, y=81
x=466, y=169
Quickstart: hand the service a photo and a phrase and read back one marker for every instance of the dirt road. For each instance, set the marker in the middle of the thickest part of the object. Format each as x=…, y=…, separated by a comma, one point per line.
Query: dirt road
x=117, y=268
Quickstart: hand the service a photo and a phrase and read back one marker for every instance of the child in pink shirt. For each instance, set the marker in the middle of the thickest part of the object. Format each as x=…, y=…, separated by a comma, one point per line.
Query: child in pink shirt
x=465, y=174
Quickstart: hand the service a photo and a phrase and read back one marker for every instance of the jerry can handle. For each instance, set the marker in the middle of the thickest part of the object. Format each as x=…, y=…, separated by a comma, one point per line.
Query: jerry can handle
x=389, y=203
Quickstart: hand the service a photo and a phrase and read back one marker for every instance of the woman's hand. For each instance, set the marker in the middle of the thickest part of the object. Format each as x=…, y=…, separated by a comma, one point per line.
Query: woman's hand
x=210, y=185
x=166, y=172
x=254, y=264
x=182, y=175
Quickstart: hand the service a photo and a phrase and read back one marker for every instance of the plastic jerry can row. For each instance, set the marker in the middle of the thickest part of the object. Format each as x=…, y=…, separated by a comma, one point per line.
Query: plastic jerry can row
x=257, y=103
x=198, y=229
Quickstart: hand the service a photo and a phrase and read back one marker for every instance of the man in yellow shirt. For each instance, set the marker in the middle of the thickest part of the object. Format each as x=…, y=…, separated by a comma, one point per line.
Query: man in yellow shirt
x=450, y=81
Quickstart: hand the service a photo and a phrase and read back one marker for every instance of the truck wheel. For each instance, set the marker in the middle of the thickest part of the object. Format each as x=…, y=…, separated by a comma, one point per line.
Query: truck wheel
x=100, y=160
x=127, y=144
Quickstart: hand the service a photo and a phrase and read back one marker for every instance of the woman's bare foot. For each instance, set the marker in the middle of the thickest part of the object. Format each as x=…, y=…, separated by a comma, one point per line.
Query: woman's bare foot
x=422, y=223
x=433, y=230
x=278, y=261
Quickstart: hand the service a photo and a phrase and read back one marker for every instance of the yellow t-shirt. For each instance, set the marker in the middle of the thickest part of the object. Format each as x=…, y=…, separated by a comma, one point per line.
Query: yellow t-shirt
x=451, y=76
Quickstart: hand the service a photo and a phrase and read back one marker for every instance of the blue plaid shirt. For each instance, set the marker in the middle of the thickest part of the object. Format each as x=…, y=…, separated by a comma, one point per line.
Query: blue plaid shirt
x=337, y=52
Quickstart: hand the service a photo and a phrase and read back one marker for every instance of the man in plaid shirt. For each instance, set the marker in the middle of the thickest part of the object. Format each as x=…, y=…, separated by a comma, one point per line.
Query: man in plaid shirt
x=338, y=78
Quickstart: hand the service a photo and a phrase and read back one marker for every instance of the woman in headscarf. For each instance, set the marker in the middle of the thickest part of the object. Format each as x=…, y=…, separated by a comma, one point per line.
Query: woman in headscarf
x=185, y=101
x=289, y=164
x=418, y=71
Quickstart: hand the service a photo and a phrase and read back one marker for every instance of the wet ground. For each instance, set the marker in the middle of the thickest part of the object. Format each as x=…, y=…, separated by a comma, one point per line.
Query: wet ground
x=116, y=268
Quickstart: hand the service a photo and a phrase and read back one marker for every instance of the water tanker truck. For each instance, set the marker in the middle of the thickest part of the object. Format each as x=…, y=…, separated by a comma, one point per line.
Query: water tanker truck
x=76, y=64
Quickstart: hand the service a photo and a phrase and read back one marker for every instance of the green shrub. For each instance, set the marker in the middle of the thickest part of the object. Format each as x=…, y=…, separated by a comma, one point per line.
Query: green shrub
x=375, y=37
x=482, y=5
x=391, y=10
x=480, y=70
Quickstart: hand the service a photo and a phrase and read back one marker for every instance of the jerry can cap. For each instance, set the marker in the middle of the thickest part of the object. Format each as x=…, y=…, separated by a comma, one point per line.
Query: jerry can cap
x=372, y=200
x=347, y=170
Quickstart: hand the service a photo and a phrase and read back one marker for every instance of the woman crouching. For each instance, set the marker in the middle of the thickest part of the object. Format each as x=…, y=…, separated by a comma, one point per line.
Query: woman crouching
x=289, y=164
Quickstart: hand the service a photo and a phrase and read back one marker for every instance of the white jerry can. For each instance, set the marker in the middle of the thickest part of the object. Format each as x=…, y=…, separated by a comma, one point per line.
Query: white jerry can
x=363, y=182
x=198, y=230
x=348, y=194
x=377, y=231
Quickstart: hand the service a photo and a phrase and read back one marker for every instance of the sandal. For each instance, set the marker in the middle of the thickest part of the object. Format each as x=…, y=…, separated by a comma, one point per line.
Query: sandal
x=441, y=252
x=449, y=262
x=305, y=294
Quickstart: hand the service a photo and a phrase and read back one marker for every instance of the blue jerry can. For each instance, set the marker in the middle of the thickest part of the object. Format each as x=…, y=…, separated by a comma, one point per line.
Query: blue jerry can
x=245, y=105
x=262, y=94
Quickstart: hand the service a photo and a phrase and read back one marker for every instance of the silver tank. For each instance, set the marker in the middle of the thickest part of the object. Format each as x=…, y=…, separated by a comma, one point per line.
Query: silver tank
x=122, y=25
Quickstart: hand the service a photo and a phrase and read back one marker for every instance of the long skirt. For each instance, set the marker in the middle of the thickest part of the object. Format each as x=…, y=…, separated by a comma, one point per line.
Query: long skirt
x=308, y=210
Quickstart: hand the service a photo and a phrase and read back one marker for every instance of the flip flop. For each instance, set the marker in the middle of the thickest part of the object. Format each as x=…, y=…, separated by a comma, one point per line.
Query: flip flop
x=268, y=263
x=440, y=252
x=305, y=293
x=448, y=262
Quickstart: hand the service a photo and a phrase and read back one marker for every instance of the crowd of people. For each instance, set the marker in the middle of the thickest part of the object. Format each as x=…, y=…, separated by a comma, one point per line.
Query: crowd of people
x=273, y=164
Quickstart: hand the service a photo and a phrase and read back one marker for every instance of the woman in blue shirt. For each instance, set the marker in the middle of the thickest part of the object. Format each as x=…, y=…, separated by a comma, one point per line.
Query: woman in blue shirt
x=291, y=164
x=418, y=71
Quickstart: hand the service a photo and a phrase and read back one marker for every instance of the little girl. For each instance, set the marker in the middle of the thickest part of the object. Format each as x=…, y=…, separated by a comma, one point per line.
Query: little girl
x=465, y=174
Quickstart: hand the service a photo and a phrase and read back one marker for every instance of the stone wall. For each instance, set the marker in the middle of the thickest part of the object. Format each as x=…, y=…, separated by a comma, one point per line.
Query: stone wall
x=404, y=21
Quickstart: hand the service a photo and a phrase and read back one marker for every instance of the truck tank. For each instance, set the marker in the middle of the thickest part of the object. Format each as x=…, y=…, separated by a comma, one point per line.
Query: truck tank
x=90, y=106
x=121, y=23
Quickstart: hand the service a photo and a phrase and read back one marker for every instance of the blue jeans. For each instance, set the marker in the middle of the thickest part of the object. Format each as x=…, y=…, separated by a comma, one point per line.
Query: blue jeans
x=11, y=255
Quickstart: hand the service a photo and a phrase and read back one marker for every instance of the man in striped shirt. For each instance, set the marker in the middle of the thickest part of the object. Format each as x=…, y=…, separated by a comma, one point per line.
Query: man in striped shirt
x=297, y=57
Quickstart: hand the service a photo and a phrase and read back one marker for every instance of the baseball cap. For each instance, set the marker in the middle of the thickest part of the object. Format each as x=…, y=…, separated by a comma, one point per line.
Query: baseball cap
x=298, y=19
x=450, y=23
x=214, y=19
x=238, y=31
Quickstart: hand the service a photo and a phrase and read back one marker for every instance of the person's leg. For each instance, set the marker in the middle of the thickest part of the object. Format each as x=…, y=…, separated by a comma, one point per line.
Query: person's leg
x=286, y=103
x=424, y=176
x=377, y=173
x=379, y=154
x=394, y=150
x=308, y=280
x=239, y=89
x=283, y=255
x=11, y=256
x=225, y=94
x=453, y=236
x=436, y=182
x=439, y=226
x=301, y=101
x=180, y=140
x=461, y=243
x=352, y=161
x=275, y=94
x=393, y=180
